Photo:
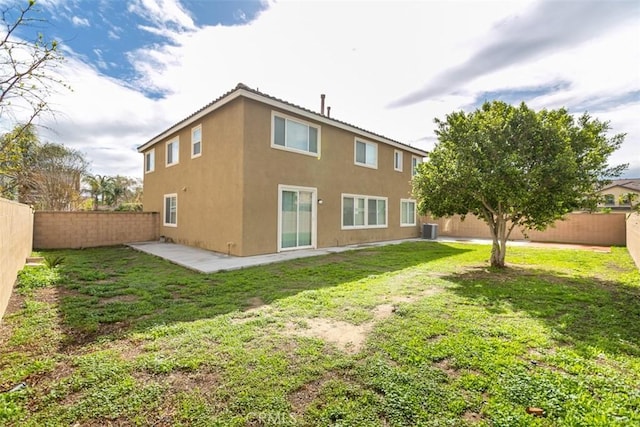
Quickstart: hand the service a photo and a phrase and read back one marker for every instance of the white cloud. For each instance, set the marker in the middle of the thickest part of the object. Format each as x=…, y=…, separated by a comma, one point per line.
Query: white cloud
x=80, y=22
x=169, y=18
x=363, y=55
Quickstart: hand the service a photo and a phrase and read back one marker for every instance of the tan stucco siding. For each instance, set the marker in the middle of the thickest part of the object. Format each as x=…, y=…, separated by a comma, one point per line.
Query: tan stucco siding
x=208, y=188
x=617, y=193
x=332, y=174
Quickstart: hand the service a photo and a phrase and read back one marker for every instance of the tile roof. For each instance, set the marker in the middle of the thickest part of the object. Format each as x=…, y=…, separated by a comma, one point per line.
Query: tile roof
x=629, y=183
x=242, y=86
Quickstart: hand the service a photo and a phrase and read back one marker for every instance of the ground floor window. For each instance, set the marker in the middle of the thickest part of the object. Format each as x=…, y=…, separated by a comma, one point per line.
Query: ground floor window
x=407, y=212
x=363, y=211
x=171, y=210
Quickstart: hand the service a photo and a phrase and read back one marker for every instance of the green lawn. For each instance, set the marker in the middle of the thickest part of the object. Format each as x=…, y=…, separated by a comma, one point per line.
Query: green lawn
x=414, y=334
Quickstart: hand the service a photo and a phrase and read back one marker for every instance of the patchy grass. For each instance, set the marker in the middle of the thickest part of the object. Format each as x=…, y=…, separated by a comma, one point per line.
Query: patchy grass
x=415, y=334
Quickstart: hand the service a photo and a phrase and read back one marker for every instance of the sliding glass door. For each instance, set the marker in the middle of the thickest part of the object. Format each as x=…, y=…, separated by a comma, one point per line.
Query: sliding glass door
x=297, y=217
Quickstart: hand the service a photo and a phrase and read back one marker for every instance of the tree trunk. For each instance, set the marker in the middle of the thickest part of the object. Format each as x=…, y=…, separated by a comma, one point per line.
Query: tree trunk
x=499, y=248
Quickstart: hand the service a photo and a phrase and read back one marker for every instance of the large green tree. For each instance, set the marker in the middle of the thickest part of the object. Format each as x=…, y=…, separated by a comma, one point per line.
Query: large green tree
x=514, y=167
x=18, y=156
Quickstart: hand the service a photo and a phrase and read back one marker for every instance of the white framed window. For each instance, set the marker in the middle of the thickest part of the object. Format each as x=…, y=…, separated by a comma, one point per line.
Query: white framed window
x=170, y=217
x=363, y=211
x=150, y=161
x=407, y=212
x=415, y=161
x=294, y=135
x=196, y=141
x=397, y=160
x=366, y=154
x=173, y=152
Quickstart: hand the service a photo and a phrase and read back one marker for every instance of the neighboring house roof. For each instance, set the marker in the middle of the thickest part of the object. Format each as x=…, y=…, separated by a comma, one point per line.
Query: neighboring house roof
x=632, y=184
x=247, y=92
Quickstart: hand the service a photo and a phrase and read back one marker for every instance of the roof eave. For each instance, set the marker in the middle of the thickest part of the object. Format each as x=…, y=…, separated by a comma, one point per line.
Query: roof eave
x=225, y=99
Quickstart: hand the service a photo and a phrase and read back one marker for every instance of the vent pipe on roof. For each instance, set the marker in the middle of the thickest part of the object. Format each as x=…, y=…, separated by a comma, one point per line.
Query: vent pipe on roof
x=328, y=111
x=322, y=104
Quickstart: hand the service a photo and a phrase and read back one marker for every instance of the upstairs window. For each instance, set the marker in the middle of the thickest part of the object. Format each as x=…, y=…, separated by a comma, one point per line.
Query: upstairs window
x=196, y=141
x=150, y=161
x=295, y=135
x=397, y=160
x=173, y=152
x=366, y=154
x=415, y=161
x=609, y=199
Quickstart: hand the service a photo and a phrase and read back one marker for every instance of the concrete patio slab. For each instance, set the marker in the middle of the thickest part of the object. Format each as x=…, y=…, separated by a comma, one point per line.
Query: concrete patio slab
x=206, y=261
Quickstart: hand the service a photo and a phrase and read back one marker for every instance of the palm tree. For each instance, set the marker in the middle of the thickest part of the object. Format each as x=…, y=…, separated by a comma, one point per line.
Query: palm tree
x=99, y=187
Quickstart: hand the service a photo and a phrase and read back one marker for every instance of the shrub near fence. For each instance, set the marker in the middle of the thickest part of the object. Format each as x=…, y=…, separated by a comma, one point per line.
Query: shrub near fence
x=68, y=230
x=577, y=228
x=16, y=235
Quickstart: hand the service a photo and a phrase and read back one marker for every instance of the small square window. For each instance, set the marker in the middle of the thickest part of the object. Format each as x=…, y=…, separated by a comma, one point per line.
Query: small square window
x=366, y=154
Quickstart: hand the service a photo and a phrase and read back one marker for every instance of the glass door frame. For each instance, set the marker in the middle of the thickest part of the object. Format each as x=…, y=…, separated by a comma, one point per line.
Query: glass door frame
x=314, y=215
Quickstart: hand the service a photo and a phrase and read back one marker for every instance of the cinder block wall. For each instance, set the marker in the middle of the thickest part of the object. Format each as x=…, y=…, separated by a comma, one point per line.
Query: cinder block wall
x=578, y=228
x=68, y=230
x=16, y=235
x=633, y=237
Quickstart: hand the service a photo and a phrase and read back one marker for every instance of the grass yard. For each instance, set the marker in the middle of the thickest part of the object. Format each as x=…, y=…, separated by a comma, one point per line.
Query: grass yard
x=417, y=334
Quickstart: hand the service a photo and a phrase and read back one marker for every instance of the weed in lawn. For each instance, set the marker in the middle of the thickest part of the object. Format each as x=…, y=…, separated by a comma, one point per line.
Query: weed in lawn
x=36, y=277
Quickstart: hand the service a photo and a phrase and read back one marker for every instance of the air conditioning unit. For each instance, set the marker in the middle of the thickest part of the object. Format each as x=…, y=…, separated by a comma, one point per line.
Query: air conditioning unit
x=430, y=231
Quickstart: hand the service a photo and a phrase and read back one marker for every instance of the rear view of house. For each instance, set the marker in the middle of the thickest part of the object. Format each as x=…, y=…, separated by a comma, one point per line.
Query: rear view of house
x=250, y=174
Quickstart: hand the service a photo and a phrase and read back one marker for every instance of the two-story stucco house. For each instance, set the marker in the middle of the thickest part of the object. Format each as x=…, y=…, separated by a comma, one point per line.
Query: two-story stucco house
x=617, y=192
x=251, y=174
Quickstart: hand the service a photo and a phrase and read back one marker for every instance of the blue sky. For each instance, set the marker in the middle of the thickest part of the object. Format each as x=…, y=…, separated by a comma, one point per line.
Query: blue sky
x=138, y=66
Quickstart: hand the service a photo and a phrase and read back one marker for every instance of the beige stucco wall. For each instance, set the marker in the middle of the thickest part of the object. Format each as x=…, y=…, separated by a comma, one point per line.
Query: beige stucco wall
x=332, y=174
x=633, y=237
x=228, y=197
x=57, y=230
x=16, y=236
x=617, y=193
x=578, y=228
x=209, y=187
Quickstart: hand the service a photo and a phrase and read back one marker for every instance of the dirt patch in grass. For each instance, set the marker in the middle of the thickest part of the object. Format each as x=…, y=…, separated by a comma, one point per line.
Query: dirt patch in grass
x=119, y=298
x=253, y=303
x=413, y=298
x=472, y=417
x=383, y=311
x=445, y=366
x=308, y=392
x=346, y=336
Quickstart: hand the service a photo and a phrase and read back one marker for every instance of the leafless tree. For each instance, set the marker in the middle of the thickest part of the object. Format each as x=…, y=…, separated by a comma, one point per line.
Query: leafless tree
x=27, y=67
